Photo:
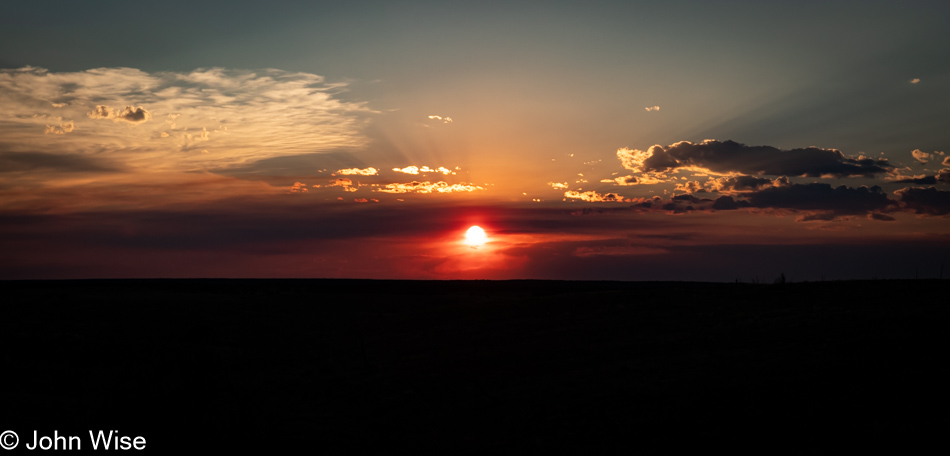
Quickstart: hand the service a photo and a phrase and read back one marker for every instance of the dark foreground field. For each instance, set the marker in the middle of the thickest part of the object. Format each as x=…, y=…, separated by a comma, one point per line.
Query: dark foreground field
x=337, y=364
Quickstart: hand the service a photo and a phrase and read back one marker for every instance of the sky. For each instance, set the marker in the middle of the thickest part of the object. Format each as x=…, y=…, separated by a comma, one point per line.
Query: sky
x=678, y=140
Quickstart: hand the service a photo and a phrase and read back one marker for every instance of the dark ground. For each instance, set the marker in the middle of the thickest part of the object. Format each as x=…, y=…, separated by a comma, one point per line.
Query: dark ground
x=386, y=365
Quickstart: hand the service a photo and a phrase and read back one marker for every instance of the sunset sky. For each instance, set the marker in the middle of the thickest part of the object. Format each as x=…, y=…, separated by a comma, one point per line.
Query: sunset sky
x=676, y=140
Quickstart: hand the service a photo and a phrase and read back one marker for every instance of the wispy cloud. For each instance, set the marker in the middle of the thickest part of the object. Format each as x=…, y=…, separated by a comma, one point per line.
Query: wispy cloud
x=214, y=118
x=915, y=81
x=652, y=108
x=444, y=119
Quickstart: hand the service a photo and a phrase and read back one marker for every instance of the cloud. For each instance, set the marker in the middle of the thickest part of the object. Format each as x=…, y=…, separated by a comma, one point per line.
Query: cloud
x=623, y=180
x=345, y=183
x=298, y=187
x=818, y=217
x=922, y=179
x=357, y=172
x=424, y=170
x=652, y=108
x=881, y=217
x=920, y=156
x=727, y=203
x=558, y=185
x=16, y=162
x=927, y=200
x=427, y=187
x=740, y=184
x=689, y=187
x=130, y=114
x=594, y=197
x=730, y=158
x=62, y=129
x=915, y=81
x=946, y=162
x=942, y=177
x=445, y=119
x=238, y=116
x=822, y=197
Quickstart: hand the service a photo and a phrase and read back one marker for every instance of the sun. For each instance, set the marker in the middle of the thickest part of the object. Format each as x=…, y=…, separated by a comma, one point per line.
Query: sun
x=475, y=236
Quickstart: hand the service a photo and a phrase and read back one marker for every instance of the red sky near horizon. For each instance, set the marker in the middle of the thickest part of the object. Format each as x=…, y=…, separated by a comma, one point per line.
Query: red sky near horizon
x=578, y=137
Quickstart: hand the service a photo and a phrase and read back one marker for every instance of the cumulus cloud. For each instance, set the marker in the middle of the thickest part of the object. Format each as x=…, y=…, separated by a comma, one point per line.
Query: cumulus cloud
x=423, y=170
x=921, y=156
x=445, y=119
x=594, y=197
x=357, y=172
x=558, y=185
x=298, y=187
x=622, y=180
x=238, y=116
x=689, y=187
x=730, y=158
x=822, y=197
x=130, y=114
x=946, y=162
x=740, y=184
x=942, y=177
x=61, y=129
x=727, y=203
x=427, y=187
x=922, y=179
x=345, y=183
x=927, y=200
x=652, y=108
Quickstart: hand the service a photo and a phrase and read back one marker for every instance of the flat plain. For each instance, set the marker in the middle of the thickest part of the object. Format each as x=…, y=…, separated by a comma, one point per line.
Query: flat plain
x=511, y=365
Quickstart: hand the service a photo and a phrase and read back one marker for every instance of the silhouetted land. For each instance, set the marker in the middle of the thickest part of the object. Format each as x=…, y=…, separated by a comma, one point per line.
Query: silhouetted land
x=513, y=365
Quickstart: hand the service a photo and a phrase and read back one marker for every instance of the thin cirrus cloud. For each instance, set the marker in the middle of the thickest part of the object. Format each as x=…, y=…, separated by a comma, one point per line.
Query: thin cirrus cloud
x=212, y=118
x=730, y=158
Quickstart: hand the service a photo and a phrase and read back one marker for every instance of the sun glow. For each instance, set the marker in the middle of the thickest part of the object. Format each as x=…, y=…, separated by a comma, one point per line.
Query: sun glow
x=475, y=237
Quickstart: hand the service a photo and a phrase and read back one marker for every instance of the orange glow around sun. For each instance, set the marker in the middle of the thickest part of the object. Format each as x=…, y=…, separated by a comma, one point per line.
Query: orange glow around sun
x=475, y=237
